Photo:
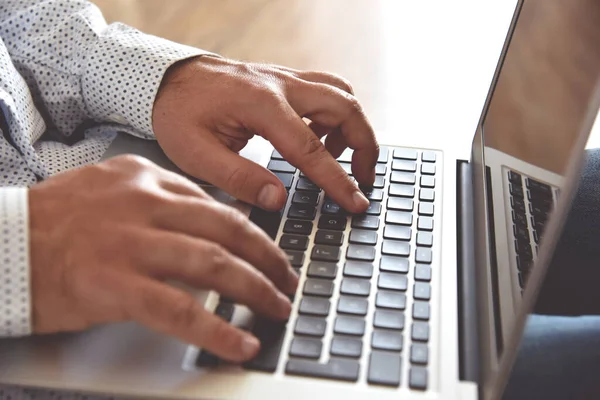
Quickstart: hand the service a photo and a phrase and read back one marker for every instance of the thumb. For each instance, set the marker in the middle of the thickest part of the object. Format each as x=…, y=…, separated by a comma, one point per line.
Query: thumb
x=241, y=178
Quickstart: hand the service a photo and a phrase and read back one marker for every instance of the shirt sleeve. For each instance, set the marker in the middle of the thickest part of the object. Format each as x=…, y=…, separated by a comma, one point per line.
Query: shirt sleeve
x=15, y=302
x=81, y=69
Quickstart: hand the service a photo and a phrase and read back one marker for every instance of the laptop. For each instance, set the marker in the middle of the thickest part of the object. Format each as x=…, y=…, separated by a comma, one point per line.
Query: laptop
x=425, y=296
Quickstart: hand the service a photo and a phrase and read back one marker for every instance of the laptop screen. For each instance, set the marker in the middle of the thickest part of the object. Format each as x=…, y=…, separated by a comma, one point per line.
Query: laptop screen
x=530, y=131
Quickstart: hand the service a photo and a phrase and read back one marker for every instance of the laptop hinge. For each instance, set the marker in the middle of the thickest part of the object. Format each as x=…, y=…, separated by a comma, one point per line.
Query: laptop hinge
x=467, y=290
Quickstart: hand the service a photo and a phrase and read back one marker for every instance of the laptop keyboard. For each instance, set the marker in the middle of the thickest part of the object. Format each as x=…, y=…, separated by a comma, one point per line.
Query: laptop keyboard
x=363, y=306
x=528, y=196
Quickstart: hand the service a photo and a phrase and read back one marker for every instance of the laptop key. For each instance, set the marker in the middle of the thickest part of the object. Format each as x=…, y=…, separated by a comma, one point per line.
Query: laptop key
x=321, y=252
x=314, y=306
x=268, y=221
x=225, y=311
x=428, y=169
x=417, y=378
x=358, y=269
x=302, y=211
x=422, y=291
x=306, y=347
x=423, y=255
x=399, y=218
x=404, y=165
x=395, y=248
x=419, y=354
x=420, y=331
x=332, y=238
x=276, y=155
x=385, y=339
x=293, y=242
x=397, y=232
x=394, y=264
x=362, y=236
x=400, y=204
x=310, y=198
x=383, y=155
x=388, y=319
x=333, y=223
x=392, y=281
x=379, y=182
x=306, y=184
x=374, y=208
x=360, y=252
x=365, y=222
x=380, y=169
x=310, y=326
x=421, y=310
x=270, y=333
x=346, y=347
x=338, y=369
x=373, y=194
x=390, y=299
x=285, y=178
x=425, y=239
x=426, y=209
x=332, y=208
x=403, y=177
x=318, y=287
x=352, y=305
x=422, y=273
x=428, y=156
x=426, y=194
x=298, y=226
x=401, y=190
x=385, y=368
x=355, y=287
x=280, y=166
x=425, y=224
x=427, y=181
x=296, y=258
x=406, y=154
x=347, y=325
x=320, y=269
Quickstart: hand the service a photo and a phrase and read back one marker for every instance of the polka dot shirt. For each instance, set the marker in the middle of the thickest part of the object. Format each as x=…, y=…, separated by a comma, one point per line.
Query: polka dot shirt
x=68, y=83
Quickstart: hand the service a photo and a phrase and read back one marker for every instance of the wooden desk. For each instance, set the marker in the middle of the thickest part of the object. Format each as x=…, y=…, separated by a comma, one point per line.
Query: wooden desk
x=420, y=68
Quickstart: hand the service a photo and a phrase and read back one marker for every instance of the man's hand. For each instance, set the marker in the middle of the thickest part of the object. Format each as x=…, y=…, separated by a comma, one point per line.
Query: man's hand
x=208, y=108
x=104, y=238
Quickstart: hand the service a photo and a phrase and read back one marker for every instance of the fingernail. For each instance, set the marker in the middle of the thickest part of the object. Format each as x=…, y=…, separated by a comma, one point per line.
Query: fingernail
x=250, y=346
x=285, y=306
x=268, y=196
x=360, y=200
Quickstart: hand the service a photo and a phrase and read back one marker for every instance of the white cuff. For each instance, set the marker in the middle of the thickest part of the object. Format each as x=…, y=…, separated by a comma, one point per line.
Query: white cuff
x=15, y=294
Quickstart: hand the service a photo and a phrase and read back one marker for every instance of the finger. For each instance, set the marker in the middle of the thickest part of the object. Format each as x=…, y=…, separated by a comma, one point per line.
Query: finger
x=320, y=77
x=319, y=130
x=296, y=142
x=206, y=265
x=243, y=179
x=335, y=143
x=178, y=184
x=176, y=313
x=332, y=107
x=224, y=225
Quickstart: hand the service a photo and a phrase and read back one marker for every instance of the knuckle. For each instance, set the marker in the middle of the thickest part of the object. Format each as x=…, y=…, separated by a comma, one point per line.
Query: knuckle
x=132, y=161
x=235, y=219
x=353, y=105
x=216, y=259
x=184, y=312
x=313, y=148
x=341, y=81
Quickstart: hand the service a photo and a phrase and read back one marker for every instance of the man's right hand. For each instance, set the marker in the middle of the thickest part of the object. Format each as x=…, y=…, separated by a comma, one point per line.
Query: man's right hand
x=104, y=238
